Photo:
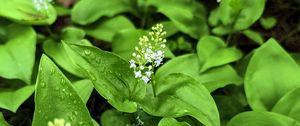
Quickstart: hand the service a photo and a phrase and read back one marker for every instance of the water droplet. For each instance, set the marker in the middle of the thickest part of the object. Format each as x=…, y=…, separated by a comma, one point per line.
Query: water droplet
x=40, y=111
x=61, y=97
x=75, y=112
x=63, y=90
x=75, y=102
x=57, y=88
x=71, y=118
x=87, y=52
x=43, y=84
x=93, y=77
x=70, y=94
x=52, y=70
x=62, y=81
x=80, y=123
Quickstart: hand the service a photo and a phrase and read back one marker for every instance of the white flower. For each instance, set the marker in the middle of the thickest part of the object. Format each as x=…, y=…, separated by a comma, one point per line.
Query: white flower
x=41, y=4
x=138, y=74
x=148, y=53
x=218, y=1
x=145, y=79
x=58, y=122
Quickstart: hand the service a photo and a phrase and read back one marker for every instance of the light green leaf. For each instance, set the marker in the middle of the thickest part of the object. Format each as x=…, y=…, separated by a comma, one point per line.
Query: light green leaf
x=61, y=10
x=17, y=54
x=23, y=11
x=65, y=57
x=88, y=11
x=268, y=22
x=11, y=99
x=271, y=73
x=254, y=36
x=112, y=78
x=56, y=98
x=261, y=118
x=2, y=120
x=212, y=79
x=105, y=30
x=84, y=89
x=289, y=104
x=116, y=118
x=171, y=122
x=180, y=95
x=213, y=52
x=170, y=28
x=124, y=42
x=188, y=16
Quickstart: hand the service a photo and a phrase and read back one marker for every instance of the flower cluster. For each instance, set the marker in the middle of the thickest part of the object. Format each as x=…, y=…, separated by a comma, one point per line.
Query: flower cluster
x=148, y=54
x=58, y=122
x=41, y=4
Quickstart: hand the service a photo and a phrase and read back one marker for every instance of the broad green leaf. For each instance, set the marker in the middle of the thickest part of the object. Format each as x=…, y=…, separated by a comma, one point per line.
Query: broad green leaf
x=249, y=14
x=84, y=89
x=254, y=36
x=11, y=99
x=116, y=118
x=212, y=79
x=262, y=118
x=61, y=10
x=124, y=42
x=268, y=22
x=222, y=30
x=213, y=52
x=55, y=98
x=171, y=122
x=23, y=11
x=188, y=16
x=170, y=28
x=180, y=95
x=88, y=11
x=105, y=30
x=72, y=34
x=289, y=104
x=2, y=120
x=65, y=57
x=112, y=78
x=214, y=17
x=271, y=73
x=17, y=54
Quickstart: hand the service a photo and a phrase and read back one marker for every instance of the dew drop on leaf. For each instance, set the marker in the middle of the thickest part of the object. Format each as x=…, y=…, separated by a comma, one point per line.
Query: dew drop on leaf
x=87, y=52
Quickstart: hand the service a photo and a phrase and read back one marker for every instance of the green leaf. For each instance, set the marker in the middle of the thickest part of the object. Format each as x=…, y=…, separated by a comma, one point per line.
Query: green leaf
x=2, y=120
x=11, y=99
x=124, y=42
x=171, y=122
x=23, y=11
x=254, y=36
x=268, y=22
x=188, y=16
x=112, y=78
x=180, y=95
x=212, y=79
x=88, y=11
x=271, y=73
x=261, y=118
x=56, y=98
x=17, y=54
x=72, y=35
x=116, y=118
x=105, y=30
x=65, y=57
x=289, y=104
x=61, y=10
x=213, y=52
x=170, y=28
x=84, y=89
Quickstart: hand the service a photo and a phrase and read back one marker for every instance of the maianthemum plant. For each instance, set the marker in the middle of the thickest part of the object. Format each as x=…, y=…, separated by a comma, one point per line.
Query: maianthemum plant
x=152, y=62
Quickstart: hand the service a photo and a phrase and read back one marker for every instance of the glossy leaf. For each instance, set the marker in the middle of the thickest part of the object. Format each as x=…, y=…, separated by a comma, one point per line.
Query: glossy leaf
x=105, y=30
x=124, y=42
x=188, y=16
x=112, y=78
x=17, y=54
x=84, y=89
x=171, y=122
x=254, y=36
x=56, y=98
x=2, y=120
x=23, y=11
x=180, y=95
x=88, y=11
x=289, y=104
x=213, y=52
x=212, y=79
x=11, y=99
x=271, y=73
x=262, y=118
